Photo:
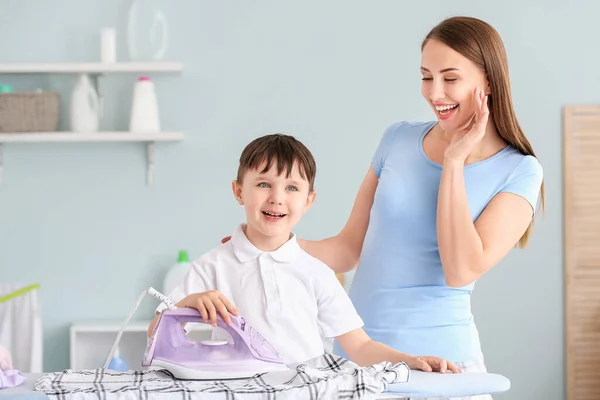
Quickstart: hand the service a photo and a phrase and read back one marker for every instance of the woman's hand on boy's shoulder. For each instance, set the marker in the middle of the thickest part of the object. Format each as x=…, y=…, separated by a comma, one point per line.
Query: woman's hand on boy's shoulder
x=432, y=364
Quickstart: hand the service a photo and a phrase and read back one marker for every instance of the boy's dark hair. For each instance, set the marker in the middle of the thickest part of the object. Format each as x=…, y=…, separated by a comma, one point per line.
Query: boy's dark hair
x=281, y=149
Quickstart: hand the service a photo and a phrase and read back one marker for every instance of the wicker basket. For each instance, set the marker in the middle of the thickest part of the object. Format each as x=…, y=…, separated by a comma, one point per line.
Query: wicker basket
x=29, y=112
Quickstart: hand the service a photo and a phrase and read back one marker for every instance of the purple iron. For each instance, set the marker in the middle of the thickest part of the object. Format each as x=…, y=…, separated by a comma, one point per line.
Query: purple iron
x=171, y=349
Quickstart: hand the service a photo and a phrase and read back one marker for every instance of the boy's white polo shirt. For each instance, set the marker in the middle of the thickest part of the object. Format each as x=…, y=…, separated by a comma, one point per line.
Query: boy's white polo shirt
x=287, y=295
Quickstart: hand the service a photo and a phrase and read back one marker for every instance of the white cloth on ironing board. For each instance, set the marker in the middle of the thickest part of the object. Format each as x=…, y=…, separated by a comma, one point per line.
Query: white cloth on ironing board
x=325, y=377
x=21, y=328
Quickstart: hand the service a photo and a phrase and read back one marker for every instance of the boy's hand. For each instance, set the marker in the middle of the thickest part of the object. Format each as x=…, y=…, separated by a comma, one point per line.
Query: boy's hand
x=430, y=364
x=208, y=304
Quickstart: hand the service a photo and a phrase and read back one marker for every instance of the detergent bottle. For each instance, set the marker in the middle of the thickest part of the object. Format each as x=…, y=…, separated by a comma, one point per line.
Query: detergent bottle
x=144, y=116
x=85, y=106
x=177, y=272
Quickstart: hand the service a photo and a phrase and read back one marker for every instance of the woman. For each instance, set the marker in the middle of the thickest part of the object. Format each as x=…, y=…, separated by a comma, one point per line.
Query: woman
x=442, y=202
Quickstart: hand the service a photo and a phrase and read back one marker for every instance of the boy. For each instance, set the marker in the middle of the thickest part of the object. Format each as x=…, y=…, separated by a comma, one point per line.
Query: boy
x=283, y=292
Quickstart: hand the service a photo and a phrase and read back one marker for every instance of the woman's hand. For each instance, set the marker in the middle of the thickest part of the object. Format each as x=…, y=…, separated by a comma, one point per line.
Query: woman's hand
x=432, y=364
x=465, y=141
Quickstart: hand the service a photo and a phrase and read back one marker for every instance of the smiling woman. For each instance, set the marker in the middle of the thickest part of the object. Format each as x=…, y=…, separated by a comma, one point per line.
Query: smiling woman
x=442, y=203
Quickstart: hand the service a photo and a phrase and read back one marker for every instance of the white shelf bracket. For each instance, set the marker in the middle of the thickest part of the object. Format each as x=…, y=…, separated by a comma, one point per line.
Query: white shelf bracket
x=1, y=163
x=150, y=163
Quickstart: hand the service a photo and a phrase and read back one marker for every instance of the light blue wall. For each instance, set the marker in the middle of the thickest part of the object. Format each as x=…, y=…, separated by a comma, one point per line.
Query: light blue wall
x=79, y=219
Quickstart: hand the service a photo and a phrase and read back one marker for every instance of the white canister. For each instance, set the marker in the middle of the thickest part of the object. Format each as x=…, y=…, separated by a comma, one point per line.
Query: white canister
x=108, y=45
x=144, y=108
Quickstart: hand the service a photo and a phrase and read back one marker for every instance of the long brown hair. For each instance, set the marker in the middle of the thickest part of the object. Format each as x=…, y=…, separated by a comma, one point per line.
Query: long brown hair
x=479, y=42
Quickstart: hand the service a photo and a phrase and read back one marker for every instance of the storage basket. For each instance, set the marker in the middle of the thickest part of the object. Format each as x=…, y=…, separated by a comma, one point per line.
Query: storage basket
x=29, y=112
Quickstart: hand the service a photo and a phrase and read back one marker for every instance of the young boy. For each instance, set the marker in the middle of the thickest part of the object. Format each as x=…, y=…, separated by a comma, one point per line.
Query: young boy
x=263, y=274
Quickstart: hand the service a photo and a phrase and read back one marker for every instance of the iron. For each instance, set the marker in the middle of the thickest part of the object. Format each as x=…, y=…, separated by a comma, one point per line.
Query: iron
x=169, y=348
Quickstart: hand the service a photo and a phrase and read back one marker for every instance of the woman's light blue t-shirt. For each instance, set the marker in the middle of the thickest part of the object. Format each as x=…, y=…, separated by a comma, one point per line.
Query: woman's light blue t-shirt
x=399, y=287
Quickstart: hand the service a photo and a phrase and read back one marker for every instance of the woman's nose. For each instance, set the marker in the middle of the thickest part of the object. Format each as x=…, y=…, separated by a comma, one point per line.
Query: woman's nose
x=436, y=91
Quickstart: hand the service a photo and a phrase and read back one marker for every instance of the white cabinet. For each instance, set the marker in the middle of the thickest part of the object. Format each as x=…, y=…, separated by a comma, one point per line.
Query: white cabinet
x=90, y=342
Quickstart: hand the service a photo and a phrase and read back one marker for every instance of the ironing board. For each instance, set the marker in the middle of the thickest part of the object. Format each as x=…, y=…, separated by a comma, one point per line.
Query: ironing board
x=427, y=384
x=421, y=384
x=25, y=391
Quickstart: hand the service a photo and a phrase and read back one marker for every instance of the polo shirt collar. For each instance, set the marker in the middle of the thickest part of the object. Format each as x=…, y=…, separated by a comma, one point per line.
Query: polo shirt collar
x=244, y=250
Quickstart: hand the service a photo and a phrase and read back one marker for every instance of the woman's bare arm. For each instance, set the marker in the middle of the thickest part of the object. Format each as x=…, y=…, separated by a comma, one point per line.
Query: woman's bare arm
x=341, y=252
x=468, y=250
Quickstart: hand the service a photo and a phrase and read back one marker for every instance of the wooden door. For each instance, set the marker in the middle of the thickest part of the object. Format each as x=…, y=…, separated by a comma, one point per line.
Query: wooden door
x=581, y=169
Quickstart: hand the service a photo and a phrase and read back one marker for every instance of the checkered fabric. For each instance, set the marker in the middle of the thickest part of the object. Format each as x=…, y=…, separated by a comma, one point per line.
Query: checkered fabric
x=325, y=377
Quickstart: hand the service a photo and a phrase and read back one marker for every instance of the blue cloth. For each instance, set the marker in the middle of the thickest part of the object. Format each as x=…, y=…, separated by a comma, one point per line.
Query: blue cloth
x=399, y=287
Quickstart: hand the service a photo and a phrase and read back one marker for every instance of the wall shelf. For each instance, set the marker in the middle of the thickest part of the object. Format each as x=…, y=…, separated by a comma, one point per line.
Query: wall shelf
x=89, y=67
x=73, y=137
x=96, y=69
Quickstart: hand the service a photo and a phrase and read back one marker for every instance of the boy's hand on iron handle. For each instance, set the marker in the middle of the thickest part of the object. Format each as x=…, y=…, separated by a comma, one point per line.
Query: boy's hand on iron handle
x=430, y=364
x=208, y=304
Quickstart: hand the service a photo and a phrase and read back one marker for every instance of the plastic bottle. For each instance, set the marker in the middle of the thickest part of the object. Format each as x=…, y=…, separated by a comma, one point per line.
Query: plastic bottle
x=147, y=31
x=118, y=363
x=85, y=110
x=144, y=108
x=176, y=273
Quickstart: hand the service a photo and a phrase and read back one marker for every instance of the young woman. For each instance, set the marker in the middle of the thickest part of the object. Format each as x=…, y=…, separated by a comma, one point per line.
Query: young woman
x=442, y=203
